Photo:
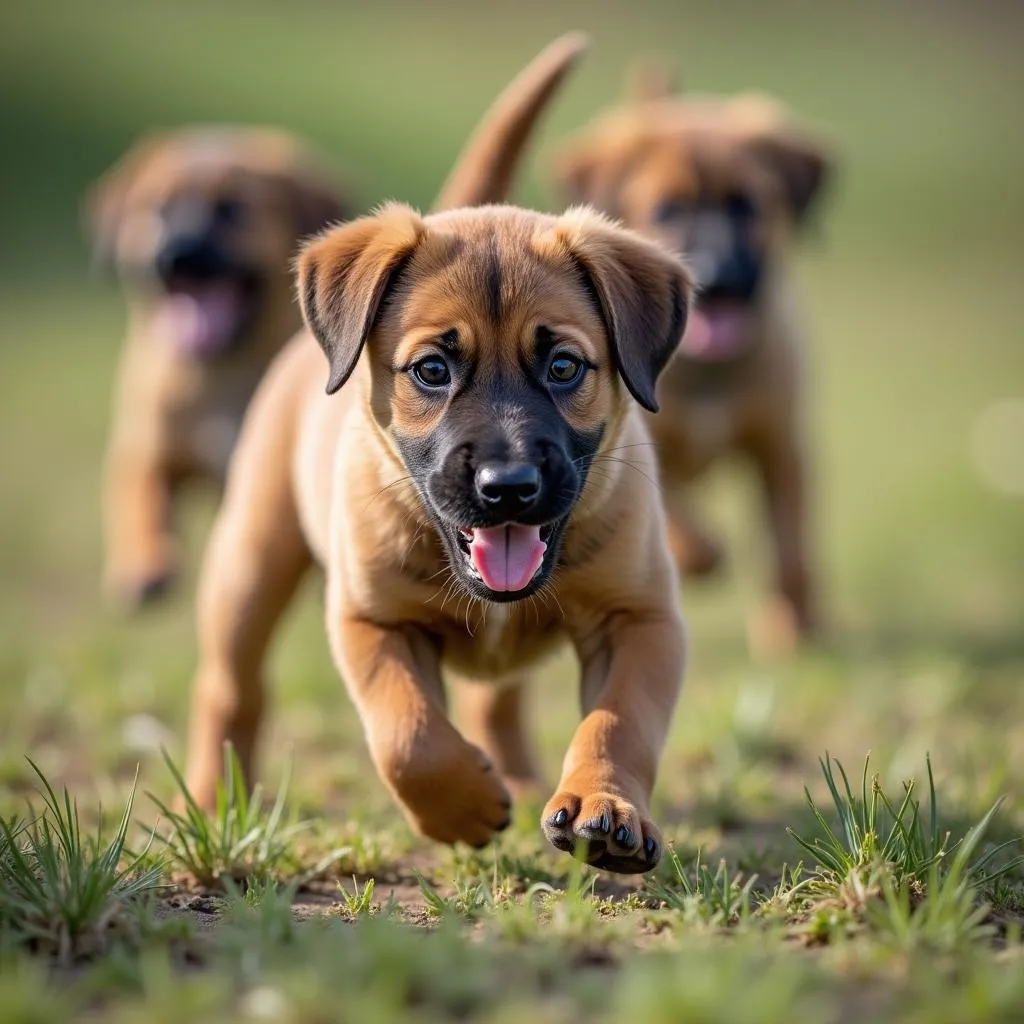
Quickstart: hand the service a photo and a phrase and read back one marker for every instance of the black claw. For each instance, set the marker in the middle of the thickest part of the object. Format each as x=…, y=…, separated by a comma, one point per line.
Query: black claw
x=651, y=847
x=602, y=824
x=560, y=818
x=623, y=836
x=504, y=825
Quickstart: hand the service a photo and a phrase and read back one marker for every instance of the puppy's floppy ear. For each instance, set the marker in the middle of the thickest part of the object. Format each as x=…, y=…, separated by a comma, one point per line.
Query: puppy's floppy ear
x=104, y=202
x=343, y=277
x=801, y=162
x=641, y=290
x=802, y=166
x=317, y=201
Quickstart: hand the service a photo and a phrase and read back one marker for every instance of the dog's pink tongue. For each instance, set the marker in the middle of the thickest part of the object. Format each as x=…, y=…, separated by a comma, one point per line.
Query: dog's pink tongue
x=202, y=320
x=715, y=335
x=507, y=557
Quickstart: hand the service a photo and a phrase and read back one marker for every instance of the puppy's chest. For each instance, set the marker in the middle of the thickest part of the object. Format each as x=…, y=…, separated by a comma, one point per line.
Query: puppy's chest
x=495, y=641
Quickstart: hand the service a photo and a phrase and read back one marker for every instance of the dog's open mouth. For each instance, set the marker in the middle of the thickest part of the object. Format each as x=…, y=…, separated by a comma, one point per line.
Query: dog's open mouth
x=203, y=317
x=505, y=559
x=718, y=330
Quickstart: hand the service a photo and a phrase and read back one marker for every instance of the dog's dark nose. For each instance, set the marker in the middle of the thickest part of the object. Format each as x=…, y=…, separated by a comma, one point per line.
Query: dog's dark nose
x=508, y=487
x=190, y=255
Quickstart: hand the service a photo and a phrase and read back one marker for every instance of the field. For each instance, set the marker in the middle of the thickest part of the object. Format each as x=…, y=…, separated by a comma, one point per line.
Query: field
x=913, y=288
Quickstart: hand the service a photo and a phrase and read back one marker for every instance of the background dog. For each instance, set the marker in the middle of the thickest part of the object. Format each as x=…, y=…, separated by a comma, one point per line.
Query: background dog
x=201, y=226
x=727, y=181
x=492, y=362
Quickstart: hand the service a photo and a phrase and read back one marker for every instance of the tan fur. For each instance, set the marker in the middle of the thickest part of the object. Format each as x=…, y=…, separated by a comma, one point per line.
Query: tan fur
x=321, y=478
x=177, y=416
x=660, y=147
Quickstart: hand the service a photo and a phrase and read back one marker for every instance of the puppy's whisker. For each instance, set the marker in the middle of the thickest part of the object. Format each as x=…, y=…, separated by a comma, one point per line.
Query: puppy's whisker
x=636, y=469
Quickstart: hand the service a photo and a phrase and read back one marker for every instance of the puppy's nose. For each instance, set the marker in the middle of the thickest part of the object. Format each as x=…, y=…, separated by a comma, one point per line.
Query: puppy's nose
x=187, y=256
x=508, y=487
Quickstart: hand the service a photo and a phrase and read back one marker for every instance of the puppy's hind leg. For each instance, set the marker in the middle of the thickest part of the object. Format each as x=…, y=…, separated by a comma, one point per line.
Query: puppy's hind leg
x=491, y=716
x=253, y=564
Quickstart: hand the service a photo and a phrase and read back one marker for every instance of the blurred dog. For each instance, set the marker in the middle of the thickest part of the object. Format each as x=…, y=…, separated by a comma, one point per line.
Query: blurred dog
x=727, y=181
x=462, y=494
x=201, y=226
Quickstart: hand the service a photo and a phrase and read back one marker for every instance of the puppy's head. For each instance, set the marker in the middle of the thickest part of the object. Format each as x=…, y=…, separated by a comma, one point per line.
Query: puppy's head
x=201, y=226
x=502, y=349
x=723, y=180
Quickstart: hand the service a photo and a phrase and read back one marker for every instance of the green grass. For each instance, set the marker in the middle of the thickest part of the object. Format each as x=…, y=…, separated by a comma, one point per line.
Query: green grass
x=914, y=308
x=62, y=890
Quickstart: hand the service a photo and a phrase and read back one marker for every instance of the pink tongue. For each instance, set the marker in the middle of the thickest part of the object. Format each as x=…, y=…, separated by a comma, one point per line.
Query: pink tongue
x=202, y=320
x=715, y=335
x=507, y=556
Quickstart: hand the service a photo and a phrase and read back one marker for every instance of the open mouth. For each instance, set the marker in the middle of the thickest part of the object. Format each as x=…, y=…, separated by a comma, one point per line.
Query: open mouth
x=203, y=317
x=718, y=330
x=508, y=561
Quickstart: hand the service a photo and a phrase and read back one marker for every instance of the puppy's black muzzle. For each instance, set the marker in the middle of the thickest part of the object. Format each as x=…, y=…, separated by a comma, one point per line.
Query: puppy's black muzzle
x=195, y=257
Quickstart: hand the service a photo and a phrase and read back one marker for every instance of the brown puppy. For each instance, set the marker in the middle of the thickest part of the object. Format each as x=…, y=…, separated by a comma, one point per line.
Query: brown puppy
x=201, y=225
x=462, y=493
x=727, y=181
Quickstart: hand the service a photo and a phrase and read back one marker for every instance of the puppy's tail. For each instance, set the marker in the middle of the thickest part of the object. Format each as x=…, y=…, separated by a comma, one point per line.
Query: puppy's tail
x=484, y=169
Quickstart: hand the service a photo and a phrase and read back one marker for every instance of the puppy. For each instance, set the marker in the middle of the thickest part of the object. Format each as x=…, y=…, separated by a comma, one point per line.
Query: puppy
x=201, y=226
x=459, y=484
x=728, y=182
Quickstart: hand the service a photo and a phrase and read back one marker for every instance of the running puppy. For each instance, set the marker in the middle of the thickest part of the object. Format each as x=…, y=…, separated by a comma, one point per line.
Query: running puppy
x=457, y=484
x=729, y=182
x=201, y=226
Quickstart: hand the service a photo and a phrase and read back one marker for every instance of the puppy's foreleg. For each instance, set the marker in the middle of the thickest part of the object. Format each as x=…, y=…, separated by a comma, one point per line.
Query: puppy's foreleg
x=448, y=789
x=140, y=546
x=632, y=672
x=792, y=613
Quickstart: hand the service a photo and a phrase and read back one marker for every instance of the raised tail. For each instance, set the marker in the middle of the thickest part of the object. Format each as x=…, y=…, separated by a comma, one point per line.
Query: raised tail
x=484, y=169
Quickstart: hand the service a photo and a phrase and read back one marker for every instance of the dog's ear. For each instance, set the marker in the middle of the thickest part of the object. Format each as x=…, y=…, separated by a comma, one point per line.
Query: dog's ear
x=650, y=79
x=642, y=292
x=800, y=161
x=343, y=277
x=801, y=164
x=104, y=203
x=316, y=201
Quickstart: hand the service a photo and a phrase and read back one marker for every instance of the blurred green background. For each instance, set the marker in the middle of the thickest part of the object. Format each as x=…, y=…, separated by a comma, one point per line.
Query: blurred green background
x=913, y=289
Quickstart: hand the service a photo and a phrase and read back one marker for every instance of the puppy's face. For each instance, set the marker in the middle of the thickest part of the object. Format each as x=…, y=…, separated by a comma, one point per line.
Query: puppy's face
x=721, y=181
x=501, y=345
x=201, y=226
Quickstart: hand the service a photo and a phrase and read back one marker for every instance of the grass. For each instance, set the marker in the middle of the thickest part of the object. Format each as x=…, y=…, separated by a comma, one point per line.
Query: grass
x=61, y=889
x=242, y=839
x=905, y=907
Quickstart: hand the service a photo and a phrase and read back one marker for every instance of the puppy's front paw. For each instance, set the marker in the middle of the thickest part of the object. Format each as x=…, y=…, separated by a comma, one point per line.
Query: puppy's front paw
x=618, y=836
x=130, y=587
x=451, y=793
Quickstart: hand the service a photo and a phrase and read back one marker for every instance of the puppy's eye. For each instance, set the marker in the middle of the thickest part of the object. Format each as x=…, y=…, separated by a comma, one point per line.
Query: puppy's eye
x=229, y=211
x=740, y=207
x=565, y=370
x=432, y=372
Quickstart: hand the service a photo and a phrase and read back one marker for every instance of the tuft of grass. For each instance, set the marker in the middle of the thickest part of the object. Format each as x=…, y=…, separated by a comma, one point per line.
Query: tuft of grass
x=877, y=830
x=718, y=898
x=358, y=903
x=60, y=889
x=244, y=838
x=887, y=866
